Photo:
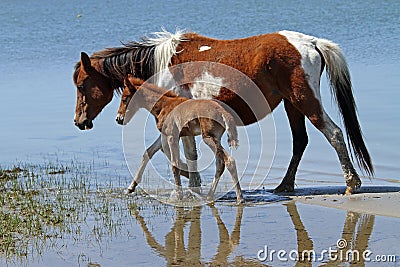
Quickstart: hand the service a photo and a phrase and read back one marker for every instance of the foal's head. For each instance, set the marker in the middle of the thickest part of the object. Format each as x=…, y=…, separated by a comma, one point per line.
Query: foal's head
x=131, y=85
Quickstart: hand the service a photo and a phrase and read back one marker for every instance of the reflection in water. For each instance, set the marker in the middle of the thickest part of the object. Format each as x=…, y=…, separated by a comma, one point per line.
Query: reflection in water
x=174, y=250
x=355, y=238
x=356, y=232
x=304, y=242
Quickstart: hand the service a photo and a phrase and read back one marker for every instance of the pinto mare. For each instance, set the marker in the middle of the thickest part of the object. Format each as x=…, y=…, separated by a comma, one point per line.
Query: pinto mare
x=178, y=116
x=284, y=65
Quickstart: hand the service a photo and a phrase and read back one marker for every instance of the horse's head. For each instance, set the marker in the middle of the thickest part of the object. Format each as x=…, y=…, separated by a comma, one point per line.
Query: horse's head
x=94, y=91
x=131, y=85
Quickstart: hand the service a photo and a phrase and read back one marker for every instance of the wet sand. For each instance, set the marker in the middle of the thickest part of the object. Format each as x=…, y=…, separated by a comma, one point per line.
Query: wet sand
x=377, y=200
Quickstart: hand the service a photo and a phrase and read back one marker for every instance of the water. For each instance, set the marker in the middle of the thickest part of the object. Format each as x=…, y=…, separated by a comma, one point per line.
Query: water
x=41, y=41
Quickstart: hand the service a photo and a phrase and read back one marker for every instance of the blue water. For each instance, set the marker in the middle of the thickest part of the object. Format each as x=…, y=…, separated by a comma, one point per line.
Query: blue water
x=40, y=43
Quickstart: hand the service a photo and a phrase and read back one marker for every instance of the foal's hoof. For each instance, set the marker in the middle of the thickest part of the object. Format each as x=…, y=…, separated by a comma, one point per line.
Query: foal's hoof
x=240, y=201
x=284, y=188
x=129, y=191
x=210, y=198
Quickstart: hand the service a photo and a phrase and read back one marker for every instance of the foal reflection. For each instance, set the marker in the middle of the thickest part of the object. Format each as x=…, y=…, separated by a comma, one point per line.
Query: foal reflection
x=175, y=252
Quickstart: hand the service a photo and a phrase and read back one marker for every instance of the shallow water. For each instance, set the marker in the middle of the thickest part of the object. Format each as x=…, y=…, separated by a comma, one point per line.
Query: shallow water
x=40, y=43
x=221, y=235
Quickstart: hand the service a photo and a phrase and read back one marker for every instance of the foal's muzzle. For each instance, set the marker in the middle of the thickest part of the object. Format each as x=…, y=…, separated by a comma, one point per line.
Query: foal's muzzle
x=120, y=119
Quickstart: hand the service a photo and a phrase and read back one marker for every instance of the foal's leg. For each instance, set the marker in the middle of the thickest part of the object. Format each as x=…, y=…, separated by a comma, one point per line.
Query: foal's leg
x=300, y=140
x=173, y=142
x=229, y=163
x=231, y=166
x=148, y=154
x=219, y=163
x=189, y=146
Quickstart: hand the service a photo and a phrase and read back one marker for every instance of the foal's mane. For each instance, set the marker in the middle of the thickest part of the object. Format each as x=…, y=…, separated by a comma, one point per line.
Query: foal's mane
x=158, y=90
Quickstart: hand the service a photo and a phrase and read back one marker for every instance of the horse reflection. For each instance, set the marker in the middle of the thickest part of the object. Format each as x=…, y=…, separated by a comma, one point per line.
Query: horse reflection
x=174, y=250
x=356, y=232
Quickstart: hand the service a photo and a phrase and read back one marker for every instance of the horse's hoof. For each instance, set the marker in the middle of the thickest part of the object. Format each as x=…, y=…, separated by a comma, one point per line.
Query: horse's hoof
x=351, y=189
x=353, y=183
x=284, y=188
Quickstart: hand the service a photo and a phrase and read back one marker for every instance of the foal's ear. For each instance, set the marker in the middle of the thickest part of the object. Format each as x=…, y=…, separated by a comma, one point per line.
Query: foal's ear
x=85, y=61
x=128, y=84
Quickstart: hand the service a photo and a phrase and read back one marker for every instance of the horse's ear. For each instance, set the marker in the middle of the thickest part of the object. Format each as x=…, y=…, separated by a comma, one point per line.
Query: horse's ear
x=85, y=61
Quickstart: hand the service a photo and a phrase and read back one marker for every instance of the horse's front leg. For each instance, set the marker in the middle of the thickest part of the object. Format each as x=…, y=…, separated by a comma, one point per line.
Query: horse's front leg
x=189, y=147
x=300, y=141
x=173, y=143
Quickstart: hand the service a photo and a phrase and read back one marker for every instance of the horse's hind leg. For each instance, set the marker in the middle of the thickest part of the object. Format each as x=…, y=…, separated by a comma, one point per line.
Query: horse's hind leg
x=300, y=140
x=320, y=119
x=189, y=146
x=335, y=137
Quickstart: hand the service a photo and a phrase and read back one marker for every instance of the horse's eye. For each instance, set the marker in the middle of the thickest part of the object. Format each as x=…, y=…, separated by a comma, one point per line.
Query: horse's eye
x=80, y=87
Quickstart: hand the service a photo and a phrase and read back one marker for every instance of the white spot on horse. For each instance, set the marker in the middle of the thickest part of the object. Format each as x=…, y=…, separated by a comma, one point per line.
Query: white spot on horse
x=206, y=86
x=181, y=91
x=310, y=58
x=204, y=48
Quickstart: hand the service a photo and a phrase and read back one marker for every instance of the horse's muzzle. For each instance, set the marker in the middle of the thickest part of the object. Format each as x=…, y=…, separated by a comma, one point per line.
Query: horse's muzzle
x=85, y=125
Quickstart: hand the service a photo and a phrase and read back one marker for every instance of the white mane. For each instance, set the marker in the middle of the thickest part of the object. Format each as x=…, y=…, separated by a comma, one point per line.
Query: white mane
x=165, y=48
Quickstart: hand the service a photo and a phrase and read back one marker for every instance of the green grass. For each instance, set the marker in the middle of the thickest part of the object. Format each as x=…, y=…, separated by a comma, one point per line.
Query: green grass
x=44, y=205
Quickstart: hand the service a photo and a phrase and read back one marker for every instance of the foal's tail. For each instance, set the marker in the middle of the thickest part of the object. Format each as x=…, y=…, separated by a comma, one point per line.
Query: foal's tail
x=231, y=129
x=340, y=83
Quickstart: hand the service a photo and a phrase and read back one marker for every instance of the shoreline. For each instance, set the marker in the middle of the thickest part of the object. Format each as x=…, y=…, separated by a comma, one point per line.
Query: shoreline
x=376, y=200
